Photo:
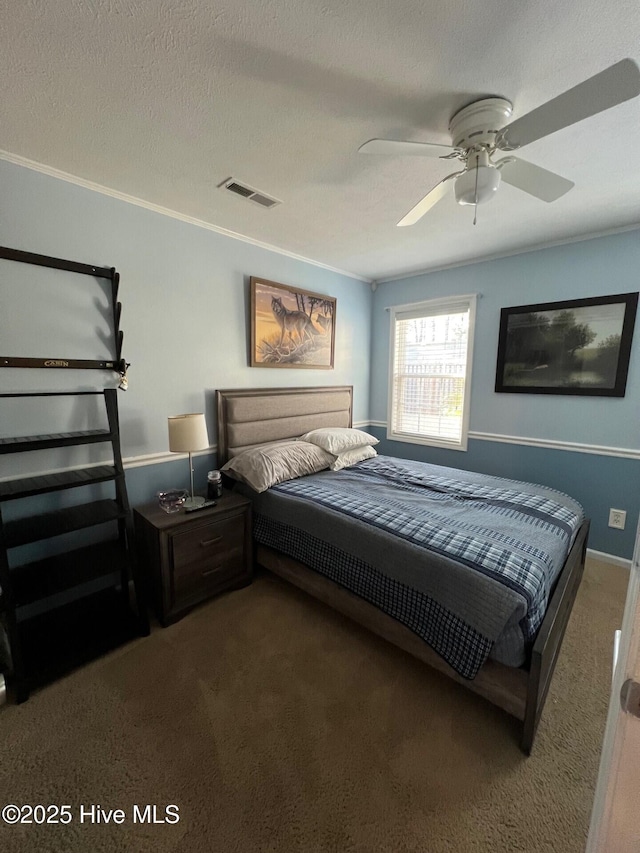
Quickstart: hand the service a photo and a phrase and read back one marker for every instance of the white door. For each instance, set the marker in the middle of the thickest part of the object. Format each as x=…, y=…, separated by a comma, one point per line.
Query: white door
x=615, y=821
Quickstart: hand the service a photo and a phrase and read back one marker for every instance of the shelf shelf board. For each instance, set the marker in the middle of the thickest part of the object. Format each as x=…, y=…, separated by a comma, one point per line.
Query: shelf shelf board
x=69, y=636
x=23, y=531
x=21, y=444
x=29, y=486
x=45, y=578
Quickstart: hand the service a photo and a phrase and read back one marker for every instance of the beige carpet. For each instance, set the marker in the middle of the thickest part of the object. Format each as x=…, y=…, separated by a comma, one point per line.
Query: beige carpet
x=276, y=725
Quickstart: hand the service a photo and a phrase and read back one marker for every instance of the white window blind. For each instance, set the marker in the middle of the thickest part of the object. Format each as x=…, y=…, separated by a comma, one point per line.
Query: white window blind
x=430, y=371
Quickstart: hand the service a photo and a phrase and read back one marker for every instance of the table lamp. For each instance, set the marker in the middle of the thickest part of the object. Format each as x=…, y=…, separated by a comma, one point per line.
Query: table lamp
x=188, y=433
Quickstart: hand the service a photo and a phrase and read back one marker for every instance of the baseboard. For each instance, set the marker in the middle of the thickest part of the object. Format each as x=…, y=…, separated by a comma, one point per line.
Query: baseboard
x=603, y=557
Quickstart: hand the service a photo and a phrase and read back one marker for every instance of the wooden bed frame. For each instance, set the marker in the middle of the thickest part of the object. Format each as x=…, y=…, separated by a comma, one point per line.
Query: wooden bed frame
x=520, y=692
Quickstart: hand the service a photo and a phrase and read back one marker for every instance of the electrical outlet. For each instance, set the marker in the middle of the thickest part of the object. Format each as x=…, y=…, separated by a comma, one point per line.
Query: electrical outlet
x=617, y=518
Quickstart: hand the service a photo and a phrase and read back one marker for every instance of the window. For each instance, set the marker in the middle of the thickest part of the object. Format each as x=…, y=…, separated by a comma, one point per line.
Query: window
x=430, y=371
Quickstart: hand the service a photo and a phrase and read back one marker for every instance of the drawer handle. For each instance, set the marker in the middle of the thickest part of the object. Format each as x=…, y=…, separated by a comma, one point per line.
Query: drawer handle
x=211, y=571
x=204, y=543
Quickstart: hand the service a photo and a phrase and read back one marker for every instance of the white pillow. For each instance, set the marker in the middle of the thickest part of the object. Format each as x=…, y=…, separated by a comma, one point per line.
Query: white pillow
x=269, y=464
x=350, y=457
x=338, y=439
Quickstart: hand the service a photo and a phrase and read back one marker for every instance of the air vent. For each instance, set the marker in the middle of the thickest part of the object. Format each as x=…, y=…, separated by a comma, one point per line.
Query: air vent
x=249, y=193
x=264, y=200
x=239, y=189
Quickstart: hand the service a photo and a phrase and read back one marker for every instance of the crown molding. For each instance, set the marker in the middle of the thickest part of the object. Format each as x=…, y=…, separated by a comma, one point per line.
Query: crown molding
x=622, y=229
x=52, y=172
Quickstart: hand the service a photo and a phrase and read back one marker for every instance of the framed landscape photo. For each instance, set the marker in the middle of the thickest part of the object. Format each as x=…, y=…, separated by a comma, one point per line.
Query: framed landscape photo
x=291, y=327
x=579, y=346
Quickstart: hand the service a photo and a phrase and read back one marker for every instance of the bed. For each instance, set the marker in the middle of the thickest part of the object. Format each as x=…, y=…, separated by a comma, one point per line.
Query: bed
x=425, y=608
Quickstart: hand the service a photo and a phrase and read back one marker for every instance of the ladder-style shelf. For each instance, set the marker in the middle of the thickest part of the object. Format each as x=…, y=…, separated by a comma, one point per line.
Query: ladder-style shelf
x=99, y=578
x=26, y=487
x=118, y=364
x=44, y=442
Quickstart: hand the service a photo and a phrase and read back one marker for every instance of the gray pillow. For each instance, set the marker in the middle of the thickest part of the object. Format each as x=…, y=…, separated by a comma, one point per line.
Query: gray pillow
x=269, y=464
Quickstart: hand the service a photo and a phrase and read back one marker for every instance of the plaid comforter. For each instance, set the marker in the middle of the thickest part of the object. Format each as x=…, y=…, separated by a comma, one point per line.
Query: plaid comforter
x=482, y=552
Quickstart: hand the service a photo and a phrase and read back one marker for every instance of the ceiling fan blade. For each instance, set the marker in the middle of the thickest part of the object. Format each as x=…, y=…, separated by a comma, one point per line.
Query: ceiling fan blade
x=397, y=146
x=533, y=179
x=616, y=84
x=424, y=205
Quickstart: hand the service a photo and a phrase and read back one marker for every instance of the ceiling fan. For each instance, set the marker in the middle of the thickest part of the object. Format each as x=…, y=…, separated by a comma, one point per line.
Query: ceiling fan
x=479, y=130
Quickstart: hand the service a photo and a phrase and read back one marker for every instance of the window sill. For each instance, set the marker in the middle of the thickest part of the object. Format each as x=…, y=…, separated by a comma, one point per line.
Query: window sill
x=426, y=441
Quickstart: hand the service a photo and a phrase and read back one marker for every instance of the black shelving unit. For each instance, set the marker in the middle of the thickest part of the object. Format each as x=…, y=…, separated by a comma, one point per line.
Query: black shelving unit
x=108, y=606
x=118, y=364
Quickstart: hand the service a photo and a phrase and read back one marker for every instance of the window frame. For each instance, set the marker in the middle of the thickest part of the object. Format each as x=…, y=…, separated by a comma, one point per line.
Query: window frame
x=426, y=309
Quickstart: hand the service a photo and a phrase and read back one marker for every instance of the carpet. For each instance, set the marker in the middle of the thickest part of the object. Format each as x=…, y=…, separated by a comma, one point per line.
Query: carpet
x=274, y=724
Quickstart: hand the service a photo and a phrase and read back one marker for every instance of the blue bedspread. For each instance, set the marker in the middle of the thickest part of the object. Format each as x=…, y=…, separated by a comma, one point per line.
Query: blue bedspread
x=484, y=550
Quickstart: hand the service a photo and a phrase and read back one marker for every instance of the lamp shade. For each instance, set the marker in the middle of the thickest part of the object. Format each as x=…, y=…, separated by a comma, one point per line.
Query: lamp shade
x=188, y=433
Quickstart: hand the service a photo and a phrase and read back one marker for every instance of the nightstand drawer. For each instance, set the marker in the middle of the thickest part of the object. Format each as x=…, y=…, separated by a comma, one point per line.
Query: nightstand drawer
x=208, y=543
x=206, y=559
x=190, y=557
x=204, y=581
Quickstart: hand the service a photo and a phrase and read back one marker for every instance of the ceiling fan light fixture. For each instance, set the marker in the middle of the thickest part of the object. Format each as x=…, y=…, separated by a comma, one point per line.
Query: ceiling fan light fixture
x=477, y=185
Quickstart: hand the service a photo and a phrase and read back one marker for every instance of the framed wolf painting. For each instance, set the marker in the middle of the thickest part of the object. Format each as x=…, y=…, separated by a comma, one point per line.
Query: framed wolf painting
x=291, y=327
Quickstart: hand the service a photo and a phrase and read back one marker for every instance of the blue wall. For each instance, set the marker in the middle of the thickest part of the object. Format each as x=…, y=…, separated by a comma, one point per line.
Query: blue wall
x=185, y=307
x=598, y=480
x=185, y=314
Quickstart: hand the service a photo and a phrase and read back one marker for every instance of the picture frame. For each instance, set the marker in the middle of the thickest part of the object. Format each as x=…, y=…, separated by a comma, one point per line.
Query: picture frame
x=291, y=327
x=576, y=347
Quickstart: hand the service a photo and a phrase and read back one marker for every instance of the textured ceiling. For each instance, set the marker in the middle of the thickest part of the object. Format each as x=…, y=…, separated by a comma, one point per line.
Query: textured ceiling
x=165, y=99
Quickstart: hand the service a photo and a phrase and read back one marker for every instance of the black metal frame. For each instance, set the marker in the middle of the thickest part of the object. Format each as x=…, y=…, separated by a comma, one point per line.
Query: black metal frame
x=630, y=301
x=37, y=581
x=119, y=365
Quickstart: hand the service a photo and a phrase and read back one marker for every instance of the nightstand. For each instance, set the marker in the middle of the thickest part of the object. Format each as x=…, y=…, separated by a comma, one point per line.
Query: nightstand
x=188, y=557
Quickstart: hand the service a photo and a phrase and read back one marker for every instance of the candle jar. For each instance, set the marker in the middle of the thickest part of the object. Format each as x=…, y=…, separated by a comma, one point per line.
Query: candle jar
x=214, y=485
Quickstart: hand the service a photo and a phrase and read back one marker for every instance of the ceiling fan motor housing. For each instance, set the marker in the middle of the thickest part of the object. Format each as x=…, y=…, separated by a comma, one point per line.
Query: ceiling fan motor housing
x=474, y=129
x=478, y=123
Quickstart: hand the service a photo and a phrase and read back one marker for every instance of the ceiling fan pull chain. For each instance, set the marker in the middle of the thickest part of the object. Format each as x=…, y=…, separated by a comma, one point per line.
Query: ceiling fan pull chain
x=475, y=208
x=478, y=131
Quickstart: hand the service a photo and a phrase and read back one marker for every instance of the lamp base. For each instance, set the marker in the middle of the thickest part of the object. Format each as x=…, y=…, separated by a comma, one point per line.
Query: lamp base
x=193, y=502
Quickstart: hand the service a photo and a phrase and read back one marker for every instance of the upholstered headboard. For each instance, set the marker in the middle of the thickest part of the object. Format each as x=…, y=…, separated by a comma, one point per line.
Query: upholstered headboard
x=251, y=416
